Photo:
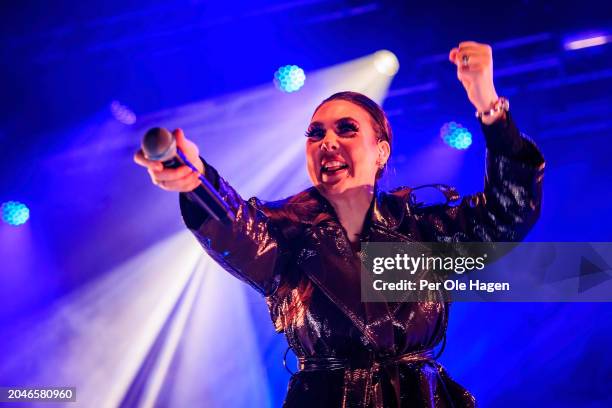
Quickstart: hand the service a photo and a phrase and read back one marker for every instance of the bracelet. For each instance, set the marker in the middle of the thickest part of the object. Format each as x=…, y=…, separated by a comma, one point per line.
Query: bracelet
x=502, y=104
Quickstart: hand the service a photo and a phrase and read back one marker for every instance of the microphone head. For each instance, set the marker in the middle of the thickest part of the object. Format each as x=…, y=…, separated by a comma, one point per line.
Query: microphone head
x=158, y=144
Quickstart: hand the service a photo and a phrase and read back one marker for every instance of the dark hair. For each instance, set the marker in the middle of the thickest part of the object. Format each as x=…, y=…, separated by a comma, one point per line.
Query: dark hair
x=380, y=123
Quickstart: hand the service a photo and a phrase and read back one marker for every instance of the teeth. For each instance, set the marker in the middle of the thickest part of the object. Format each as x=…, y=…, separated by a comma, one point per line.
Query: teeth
x=332, y=166
x=333, y=163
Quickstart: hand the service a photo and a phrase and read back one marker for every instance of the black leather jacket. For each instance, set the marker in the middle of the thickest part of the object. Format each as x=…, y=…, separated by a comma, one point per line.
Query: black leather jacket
x=354, y=353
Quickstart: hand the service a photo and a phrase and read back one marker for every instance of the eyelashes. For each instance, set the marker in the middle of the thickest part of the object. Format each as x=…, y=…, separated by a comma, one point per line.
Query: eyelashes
x=345, y=129
x=315, y=133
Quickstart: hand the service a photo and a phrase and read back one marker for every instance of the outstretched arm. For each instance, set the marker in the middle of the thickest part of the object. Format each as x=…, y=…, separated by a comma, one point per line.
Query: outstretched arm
x=250, y=248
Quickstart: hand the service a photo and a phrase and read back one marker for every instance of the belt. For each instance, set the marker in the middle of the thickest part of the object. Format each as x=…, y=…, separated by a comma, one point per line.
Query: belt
x=360, y=387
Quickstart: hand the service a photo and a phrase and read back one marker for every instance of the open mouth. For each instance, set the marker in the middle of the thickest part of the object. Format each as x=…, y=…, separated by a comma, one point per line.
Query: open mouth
x=332, y=167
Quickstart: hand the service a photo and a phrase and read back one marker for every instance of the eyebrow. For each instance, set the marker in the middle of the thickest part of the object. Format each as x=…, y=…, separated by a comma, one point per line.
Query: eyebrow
x=344, y=119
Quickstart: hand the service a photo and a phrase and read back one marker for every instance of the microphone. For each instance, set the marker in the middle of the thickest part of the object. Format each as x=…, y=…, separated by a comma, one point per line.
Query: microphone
x=158, y=144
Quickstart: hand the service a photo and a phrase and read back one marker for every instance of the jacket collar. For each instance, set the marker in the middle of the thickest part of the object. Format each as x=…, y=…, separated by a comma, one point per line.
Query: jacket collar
x=386, y=210
x=329, y=262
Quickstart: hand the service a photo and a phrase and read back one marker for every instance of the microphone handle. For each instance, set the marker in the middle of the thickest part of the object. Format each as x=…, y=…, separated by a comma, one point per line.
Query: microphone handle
x=173, y=163
x=205, y=194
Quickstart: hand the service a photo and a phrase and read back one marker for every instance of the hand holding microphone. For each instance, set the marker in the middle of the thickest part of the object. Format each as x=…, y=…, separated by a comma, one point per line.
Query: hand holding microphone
x=174, y=164
x=181, y=179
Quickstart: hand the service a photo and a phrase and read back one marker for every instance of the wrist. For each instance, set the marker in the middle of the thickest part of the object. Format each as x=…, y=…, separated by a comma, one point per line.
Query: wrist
x=494, y=111
x=486, y=103
x=198, y=164
x=489, y=120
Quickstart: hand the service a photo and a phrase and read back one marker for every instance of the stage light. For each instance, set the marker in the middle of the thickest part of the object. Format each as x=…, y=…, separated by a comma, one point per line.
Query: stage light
x=586, y=41
x=122, y=113
x=15, y=213
x=456, y=136
x=386, y=62
x=289, y=78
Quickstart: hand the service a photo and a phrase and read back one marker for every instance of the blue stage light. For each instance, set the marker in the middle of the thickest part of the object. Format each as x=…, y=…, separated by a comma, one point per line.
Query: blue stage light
x=15, y=213
x=289, y=78
x=122, y=113
x=456, y=136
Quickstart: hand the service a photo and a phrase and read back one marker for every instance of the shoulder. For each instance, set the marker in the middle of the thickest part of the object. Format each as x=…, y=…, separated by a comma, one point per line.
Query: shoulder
x=299, y=203
x=293, y=215
x=399, y=193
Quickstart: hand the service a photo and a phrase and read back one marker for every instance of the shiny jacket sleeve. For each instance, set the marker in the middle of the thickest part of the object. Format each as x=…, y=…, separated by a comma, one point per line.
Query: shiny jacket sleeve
x=509, y=204
x=250, y=248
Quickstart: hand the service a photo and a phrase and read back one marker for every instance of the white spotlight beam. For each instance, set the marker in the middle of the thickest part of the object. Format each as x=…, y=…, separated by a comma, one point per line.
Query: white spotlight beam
x=97, y=338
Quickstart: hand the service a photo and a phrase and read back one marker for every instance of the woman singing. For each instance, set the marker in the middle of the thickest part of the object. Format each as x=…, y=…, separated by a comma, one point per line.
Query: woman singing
x=301, y=253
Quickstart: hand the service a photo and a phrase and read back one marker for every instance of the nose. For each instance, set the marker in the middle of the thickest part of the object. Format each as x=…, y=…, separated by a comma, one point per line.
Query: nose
x=330, y=141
